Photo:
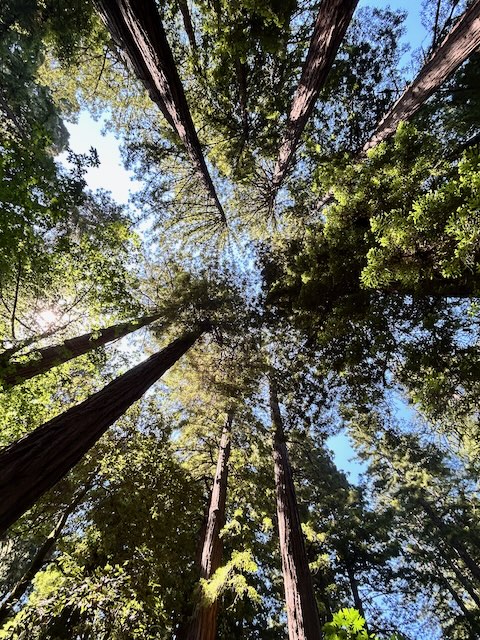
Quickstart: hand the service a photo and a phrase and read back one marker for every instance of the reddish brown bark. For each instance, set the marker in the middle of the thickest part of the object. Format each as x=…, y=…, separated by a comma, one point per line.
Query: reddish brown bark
x=42, y=360
x=204, y=623
x=302, y=613
x=330, y=27
x=137, y=29
x=457, y=46
x=34, y=464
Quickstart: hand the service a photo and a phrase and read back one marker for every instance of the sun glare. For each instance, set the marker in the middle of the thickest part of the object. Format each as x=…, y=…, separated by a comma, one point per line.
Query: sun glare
x=47, y=318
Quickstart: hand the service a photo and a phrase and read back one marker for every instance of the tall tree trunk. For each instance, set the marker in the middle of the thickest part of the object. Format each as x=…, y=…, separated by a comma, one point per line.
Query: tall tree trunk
x=41, y=556
x=34, y=464
x=187, y=23
x=455, y=49
x=450, y=539
x=204, y=623
x=453, y=592
x=42, y=360
x=302, y=614
x=457, y=46
x=137, y=29
x=460, y=575
x=354, y=589
x=330, y=26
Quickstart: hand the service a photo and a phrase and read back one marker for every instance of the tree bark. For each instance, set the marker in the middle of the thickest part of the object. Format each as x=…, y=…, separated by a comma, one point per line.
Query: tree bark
x=137, y=29
x=455, y=49
x=330, y=27
x=187, y=23
x=42, y=554
x=457, y=46
x=34, y=464
x=302, y=613
x=204, y=623
x=42, y=360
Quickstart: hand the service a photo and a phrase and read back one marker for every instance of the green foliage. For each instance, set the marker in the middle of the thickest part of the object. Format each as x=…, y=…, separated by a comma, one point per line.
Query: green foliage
x=347, y=624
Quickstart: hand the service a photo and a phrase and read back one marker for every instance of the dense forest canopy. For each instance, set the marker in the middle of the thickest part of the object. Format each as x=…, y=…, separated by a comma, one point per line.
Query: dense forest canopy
x=302, y=260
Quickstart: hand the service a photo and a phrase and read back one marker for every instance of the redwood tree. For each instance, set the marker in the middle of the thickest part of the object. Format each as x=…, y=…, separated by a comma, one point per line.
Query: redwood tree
x=204, y=623
x=137, y=29
x=41, y=360
x=457, y=46
x=302, y=613
x=34, y=464
x=330, y=27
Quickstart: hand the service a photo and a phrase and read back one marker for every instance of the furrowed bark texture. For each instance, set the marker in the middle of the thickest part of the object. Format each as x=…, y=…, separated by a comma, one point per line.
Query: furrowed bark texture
x=457, y=46
x=34, y=464
x=42, y=360
x=41, y=556
x=330, y=27
x=204, y=623
x=302, y=613
x=137, y=29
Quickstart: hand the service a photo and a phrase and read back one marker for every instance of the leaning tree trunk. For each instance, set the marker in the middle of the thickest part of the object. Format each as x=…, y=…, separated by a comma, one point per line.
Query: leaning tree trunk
x=455, y=49
x=457, y=46
x=302, y=613
x=330, y=27
x=34, y=464
x=41, y=556
x=450, y=540
x=137, y=29
x=187, y=23
x=42, y=360
x=204, y=623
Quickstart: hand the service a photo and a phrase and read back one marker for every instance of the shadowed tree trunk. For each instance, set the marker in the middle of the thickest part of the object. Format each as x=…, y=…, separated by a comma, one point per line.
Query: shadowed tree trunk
x=466, y=584
x=461, y=576
x=302, y=614
x=137, y=29
x=42, y=360
x=354, y=589
x=470, y=616
x=451, y=540
x=330, y=26
x=34, y=464
x=204, y=623
x=41, y=556
x=457, y=46
x=187, y=23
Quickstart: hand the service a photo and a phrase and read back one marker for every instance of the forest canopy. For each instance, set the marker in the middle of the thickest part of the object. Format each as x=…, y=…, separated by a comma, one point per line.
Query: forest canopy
x=299, y=267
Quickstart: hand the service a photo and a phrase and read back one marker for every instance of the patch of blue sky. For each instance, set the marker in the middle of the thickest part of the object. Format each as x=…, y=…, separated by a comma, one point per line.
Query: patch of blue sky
x=345, y=457
x=111, y=175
